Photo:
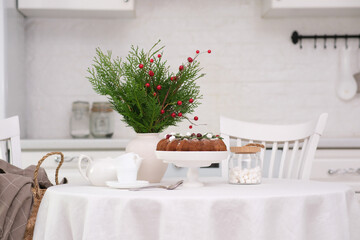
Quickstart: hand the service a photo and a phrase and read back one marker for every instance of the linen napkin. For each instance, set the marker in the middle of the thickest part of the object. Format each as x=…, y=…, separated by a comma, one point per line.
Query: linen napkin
x=16, y=198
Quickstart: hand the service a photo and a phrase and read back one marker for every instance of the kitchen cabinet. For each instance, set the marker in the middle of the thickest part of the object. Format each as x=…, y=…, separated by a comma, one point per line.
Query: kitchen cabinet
x=338, y=165
x=310, y=8
x=77, y=8
x=34, y=150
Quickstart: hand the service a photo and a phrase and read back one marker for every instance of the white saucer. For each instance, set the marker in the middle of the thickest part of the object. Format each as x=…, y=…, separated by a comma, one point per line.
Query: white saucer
x=116, y=184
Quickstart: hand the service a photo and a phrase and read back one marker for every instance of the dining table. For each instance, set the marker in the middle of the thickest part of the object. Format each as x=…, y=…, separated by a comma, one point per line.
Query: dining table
x=276, y=209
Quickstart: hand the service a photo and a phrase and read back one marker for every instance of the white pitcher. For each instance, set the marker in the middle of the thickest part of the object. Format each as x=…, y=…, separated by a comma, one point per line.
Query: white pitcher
x=109, y=169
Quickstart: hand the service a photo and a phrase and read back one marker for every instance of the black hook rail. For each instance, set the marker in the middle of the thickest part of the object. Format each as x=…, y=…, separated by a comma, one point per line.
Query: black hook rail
x=297, y=38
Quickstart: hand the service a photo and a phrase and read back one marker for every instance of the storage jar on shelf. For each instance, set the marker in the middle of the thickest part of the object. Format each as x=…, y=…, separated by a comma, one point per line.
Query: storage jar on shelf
x=102, y=120
x=79, y=122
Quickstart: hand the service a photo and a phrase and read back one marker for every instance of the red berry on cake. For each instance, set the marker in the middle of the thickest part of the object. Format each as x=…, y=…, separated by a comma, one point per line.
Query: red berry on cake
x=181, y=67
x=209, y=51
x=190, y=59
x=151, y=73
x=190, y=127
x=151, y=60
x=158, y=87
x=180, y=114
x=159, y=55
x=162, y=111
x=191, y=100
x=147, y=85
x=196, y=118
x=173, y=114
x=154, y=94
x=179, y=103
x=141, y=65
x=197, y=51
x=199, y=135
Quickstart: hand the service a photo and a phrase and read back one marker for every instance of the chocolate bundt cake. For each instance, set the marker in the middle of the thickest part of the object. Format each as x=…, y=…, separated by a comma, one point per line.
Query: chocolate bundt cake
x=191, y=142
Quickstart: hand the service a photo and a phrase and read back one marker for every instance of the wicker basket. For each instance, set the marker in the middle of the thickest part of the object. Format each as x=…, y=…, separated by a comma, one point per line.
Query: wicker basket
x=39, y=193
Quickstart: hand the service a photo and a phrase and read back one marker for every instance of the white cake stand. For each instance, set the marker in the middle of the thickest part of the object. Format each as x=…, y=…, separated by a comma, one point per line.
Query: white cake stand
x=192, y=160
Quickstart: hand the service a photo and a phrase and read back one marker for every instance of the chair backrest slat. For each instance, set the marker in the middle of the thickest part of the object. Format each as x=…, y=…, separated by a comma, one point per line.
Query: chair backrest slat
x=292, y=159
x=283, y=159
x=272, y=159
x=301, y=158
x=262, y=153
x=10, y=131
x=293, y=146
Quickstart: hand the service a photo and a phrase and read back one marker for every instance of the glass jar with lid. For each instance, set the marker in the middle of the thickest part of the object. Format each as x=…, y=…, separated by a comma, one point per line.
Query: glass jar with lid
x=245, y=164
x=79, y=121
x=102, y=120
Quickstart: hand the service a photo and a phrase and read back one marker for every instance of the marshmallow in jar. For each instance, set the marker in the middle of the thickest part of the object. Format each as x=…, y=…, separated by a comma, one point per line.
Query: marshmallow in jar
x=245, y=164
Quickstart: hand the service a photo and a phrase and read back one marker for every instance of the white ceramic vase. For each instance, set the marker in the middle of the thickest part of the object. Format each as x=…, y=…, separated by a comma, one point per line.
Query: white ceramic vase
x=152, y=169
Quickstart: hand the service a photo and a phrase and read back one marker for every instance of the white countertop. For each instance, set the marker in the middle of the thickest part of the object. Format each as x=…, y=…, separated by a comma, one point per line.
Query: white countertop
x=116, y=144
x=339, y=143
x=68, y=144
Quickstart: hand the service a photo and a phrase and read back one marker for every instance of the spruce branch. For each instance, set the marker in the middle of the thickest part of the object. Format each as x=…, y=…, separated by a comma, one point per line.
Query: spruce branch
x=124, y=84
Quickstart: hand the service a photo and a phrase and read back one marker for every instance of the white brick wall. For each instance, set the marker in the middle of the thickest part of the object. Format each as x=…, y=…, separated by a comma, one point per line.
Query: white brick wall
x=255, y=73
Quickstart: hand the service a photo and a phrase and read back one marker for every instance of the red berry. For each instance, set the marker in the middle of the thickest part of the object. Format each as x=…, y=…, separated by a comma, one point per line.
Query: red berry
x=199, y=135
x=181, y=67
x=168, y=136
x=179, y=102
x=193, y=134
x=159, y=55
x=151, y=73
x=151, y=60
x=190, y=127
x=180, y=114
x=162, y=111
x=217, y=136
x=141, y=65
x=190, y=59
x=147, y=84
x=172, y=78
x=196, y=118
x=209, y=51
x=173, y=114
x=154, y=94
x=158, y=87
x=197, y=51
x=191, y=100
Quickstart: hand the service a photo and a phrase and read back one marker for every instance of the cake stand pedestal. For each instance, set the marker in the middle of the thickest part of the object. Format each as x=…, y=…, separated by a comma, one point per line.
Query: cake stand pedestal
x=192, y=160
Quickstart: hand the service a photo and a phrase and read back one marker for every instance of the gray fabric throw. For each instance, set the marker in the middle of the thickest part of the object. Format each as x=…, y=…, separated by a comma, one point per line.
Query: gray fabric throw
x=16, y=198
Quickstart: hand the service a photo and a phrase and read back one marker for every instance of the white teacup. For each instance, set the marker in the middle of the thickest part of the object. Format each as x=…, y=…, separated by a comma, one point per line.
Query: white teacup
x=127, y=167
x=123, y=168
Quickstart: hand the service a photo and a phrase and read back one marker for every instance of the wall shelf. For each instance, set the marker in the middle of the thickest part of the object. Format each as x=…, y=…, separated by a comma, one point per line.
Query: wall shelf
x=310, y=8
x=77, y=8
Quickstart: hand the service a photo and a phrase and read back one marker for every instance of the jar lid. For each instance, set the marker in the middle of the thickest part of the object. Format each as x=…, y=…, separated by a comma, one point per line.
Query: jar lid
x=247, y=149
x=101, y=107
x=80, y=105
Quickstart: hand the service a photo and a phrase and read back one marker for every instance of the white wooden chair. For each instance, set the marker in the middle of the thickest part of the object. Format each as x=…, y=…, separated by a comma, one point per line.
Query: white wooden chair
x=10, y=132
x=292, y=146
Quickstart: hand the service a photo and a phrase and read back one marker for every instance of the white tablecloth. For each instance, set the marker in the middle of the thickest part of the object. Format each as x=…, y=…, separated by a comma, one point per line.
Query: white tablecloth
x=275, y=209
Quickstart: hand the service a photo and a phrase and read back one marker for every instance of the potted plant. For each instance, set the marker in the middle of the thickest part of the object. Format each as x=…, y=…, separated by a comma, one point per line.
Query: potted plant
x=149, y=97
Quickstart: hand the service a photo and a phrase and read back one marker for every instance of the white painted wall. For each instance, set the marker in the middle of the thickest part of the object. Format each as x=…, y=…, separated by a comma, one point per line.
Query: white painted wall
x=12, y=59
x=2, y=61
x=255, y=73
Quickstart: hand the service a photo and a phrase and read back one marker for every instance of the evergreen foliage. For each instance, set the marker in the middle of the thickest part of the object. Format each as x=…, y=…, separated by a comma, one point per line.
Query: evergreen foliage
x=125, y=82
